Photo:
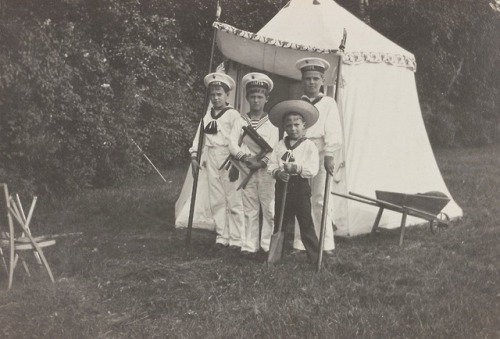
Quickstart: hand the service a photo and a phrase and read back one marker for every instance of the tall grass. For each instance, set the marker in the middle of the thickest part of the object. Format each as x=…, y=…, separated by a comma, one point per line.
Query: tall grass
x=128, y=276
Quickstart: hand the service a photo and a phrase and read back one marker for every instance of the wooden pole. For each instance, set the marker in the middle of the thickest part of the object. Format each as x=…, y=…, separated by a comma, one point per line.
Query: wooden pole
x=328, y=178
x=200, y=140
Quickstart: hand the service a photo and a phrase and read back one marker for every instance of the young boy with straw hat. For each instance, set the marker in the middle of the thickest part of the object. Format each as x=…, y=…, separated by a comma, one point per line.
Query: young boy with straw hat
x=295, y=160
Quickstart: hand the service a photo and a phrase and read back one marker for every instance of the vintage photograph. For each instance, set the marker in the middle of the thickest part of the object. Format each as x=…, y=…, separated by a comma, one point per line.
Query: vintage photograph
x=250, y=169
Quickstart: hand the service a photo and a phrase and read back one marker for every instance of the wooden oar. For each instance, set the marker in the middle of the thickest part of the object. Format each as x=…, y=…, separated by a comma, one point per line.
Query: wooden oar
x=277, y=239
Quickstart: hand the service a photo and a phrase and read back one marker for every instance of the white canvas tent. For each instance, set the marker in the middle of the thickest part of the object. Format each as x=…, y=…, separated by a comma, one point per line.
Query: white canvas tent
x=386, y=146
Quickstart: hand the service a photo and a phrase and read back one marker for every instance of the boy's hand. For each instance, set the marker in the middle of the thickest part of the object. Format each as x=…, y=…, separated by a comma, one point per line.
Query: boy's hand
x=283, y=176
x=329, y=164
x=290, y=167
x=195, y=167
x=253, y=164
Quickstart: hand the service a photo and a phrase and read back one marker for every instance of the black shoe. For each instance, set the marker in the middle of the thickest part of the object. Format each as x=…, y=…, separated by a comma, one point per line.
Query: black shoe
x=234, y=248
x=329, y=254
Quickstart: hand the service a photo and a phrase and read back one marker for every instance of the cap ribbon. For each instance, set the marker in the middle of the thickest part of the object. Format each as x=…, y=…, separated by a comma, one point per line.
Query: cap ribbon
x=257, y=83
x=313, y=68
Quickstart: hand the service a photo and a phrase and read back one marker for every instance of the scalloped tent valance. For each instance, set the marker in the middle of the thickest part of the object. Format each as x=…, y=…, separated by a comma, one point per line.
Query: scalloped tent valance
x=270, y=41
x=312, y=28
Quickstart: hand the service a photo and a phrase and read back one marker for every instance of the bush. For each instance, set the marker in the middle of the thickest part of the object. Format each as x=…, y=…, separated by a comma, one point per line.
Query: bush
x=78, y=80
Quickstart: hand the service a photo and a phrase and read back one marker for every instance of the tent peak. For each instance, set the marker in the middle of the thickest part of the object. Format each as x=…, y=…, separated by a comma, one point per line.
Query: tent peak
x=321, y=24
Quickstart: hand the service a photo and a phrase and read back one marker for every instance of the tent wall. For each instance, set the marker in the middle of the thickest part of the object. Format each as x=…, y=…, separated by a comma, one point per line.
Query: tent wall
x=386, y=145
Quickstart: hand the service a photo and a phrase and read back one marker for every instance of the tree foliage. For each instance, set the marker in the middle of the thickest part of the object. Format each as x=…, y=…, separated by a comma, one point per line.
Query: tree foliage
x=80, y=78
x=456, y=45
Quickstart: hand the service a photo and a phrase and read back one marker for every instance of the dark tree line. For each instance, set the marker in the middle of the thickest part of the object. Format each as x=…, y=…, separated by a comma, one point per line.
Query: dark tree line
x=80, y=78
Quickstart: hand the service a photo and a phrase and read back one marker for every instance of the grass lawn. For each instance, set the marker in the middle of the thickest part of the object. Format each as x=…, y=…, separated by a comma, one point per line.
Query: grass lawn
x=128, y=276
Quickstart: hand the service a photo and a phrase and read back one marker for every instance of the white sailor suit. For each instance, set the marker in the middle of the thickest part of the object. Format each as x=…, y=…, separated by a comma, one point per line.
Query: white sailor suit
x=259, y=191
x=225, y=201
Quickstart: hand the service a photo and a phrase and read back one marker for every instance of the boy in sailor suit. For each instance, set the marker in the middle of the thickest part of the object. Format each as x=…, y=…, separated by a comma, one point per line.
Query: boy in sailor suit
x=295, y=160
x=326, y=135
x=259, y=191
x=225, y=200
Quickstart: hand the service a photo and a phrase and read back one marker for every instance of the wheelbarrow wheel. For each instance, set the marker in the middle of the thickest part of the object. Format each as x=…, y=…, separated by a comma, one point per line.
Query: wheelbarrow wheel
x=440, y=223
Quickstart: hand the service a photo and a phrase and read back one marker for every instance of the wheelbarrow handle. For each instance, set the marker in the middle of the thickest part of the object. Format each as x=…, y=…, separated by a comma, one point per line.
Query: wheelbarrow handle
x=379, y=202
x=364, y=201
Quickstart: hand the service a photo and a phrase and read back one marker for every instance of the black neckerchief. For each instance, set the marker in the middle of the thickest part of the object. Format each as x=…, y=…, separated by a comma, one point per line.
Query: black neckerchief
x=221, y=113
x=288, y=154
x=211, y=127
x=314, y=102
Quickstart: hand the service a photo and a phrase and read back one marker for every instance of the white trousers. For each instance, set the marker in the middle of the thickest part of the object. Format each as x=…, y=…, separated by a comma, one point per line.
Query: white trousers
x=258, y=193
x=317, y=194
x=225, y=201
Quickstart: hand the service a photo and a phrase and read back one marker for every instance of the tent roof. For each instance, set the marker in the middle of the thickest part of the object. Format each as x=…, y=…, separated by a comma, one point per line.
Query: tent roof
x=305, y=28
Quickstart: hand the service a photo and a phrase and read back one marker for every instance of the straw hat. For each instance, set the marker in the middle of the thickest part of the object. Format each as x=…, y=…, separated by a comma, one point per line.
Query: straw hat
x=308, y=112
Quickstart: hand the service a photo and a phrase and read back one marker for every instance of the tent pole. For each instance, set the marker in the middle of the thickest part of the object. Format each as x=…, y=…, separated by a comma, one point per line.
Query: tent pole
x=328, y=178
x=200, y=140
x=341, y=164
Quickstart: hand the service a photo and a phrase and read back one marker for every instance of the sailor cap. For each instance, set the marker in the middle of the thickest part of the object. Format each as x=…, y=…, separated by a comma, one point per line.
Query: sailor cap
x=256, y=79
x=312, y=64
x=219, y=79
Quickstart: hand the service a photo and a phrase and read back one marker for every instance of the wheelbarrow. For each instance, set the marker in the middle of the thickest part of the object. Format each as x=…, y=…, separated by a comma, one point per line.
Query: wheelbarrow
x=427, y=206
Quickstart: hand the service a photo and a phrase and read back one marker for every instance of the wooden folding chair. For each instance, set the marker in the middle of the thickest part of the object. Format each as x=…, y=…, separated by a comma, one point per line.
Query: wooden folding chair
x=12, y=210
